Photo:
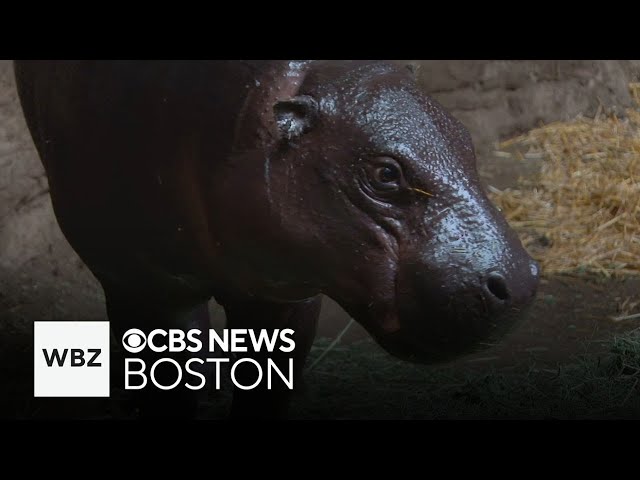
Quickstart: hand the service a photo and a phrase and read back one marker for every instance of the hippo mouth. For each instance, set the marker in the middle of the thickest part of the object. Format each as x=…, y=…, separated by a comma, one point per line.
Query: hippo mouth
x=453, y=333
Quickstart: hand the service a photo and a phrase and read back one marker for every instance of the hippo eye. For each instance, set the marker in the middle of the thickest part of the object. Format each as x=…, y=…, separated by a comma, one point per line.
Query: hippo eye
x=381, y=177
x=384, y=175
x=387, y=174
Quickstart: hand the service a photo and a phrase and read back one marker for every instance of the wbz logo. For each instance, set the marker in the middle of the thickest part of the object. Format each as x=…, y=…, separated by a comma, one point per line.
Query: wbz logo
x=71, y=359
x=76, y=358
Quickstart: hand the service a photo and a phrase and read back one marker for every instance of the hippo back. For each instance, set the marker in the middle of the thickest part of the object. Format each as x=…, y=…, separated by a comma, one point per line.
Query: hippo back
x=129, y=147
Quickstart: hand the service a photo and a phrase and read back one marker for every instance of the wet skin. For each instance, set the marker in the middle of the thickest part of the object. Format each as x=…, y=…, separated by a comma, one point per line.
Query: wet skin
x=264, y=184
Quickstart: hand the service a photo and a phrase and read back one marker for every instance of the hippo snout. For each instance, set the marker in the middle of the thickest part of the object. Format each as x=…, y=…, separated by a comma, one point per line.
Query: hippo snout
x=501, y=291
x=447, y=313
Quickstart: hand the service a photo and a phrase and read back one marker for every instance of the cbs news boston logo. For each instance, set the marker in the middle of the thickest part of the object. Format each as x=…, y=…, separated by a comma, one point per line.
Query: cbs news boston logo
x=71, y=359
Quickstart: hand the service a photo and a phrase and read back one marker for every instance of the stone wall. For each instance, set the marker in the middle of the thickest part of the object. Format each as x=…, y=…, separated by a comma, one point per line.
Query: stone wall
x=496, y=99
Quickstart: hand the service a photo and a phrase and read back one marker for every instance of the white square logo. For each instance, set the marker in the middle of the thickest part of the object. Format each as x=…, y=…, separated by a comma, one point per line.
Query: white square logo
x=71, y=359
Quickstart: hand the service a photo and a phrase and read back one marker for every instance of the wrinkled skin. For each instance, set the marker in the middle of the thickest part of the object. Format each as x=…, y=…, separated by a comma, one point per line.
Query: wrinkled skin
x=264, y=184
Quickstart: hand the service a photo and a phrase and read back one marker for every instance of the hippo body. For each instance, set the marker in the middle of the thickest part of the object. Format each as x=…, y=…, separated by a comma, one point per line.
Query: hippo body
x=264, y=184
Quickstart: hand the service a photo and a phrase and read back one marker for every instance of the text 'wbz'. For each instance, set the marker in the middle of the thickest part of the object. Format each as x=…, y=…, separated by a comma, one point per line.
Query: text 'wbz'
x=139, y=372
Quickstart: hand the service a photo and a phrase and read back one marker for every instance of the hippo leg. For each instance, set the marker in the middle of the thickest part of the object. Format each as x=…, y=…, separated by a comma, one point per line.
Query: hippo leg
x=127, y=311
x=302, y=318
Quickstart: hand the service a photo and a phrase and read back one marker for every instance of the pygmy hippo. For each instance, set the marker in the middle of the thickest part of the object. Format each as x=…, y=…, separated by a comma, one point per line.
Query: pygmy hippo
x=264, y=184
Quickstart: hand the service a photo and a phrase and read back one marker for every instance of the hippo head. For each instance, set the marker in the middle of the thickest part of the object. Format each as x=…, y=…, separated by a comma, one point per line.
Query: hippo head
x=380, y=206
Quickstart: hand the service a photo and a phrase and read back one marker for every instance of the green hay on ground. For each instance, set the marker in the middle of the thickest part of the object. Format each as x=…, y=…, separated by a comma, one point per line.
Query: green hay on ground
x=362, y=382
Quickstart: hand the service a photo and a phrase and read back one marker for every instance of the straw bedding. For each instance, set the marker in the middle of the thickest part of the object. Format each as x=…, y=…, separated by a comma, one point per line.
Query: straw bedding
x=581, y=213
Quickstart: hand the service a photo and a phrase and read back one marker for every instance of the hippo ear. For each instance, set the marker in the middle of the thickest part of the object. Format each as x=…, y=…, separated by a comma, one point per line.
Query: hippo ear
x=296, y=116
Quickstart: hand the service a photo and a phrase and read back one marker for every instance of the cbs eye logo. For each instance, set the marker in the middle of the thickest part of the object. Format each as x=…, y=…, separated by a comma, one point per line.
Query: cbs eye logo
x=159, y=340
x=134, y=340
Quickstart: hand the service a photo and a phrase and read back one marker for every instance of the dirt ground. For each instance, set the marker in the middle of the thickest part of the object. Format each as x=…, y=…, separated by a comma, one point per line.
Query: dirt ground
x=42, y=277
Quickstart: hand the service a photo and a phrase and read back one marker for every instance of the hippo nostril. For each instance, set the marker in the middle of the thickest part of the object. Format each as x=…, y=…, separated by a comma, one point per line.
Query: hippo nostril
x=497, y=285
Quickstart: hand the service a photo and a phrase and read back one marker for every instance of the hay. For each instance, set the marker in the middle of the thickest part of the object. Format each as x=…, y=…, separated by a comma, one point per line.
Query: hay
x=361, y=381
x=582, y=211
